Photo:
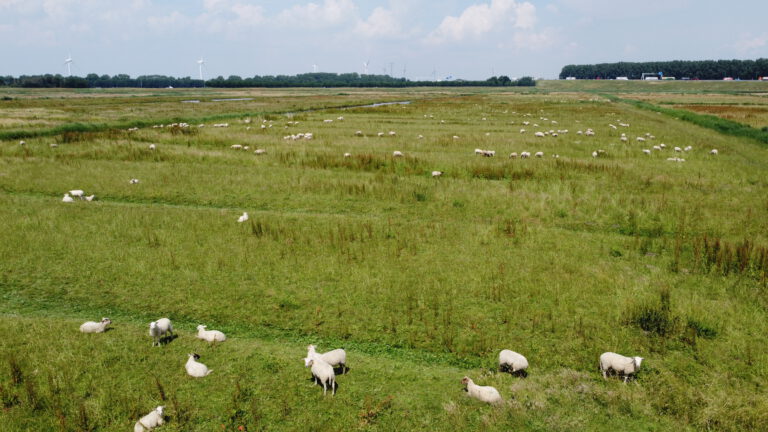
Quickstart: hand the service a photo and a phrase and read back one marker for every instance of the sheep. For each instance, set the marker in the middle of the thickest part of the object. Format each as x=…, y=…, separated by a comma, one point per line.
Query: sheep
x=53, y=145
x=688, y=148
x=346, y=155
x=640, y=139
x=77, y=193
x=539, y=134
x=513, y=362
x=243, y=217
x=678, y=149
x=479, y=151
x=539, y=154
x=195, y=368
x=22, y=143
x=90, y=197
x=657, y=148
x=67, y=198
x=513, y=155
x=594, y=154
x=336, y=358
x=358, y=133
x=437, y=173
x=420, y=136
x=380, y=134
x=713, y=152
x=397, y=153
x=236, y=146
x=150, y=421
x=152, y=147
x=455, y=137
x=489, y=153
x=210, y=335
x=160, y=328
x=525, y=155
x=392, y=133
x=625, y=366
x=260, y=152
x=483, y=393
x=323, y=372
x=133, y=181
x=522, y=131
x=646, y=151
x=95, y=327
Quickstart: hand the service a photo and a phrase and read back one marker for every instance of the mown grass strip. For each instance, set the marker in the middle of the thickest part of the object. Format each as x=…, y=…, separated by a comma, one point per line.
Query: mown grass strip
x=723, y=126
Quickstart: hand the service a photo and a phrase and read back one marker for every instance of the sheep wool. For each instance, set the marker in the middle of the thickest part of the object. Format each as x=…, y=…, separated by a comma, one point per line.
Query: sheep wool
x=195, y=368
x=486, y=394
x=620, y=364
x=159, y=329
x=150, y=421
x=323, y=372
x=95, y=327
x=337, y=357
x=512, y=361
x=210, y=335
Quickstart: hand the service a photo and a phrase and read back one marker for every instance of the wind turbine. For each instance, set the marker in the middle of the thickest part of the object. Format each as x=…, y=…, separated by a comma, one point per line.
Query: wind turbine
x=68, y=64
x=365, y=66
x=314, y=68
x=200, y=64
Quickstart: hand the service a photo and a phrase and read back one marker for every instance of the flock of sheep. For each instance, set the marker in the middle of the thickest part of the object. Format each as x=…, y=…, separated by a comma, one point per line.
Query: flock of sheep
x=323, y=366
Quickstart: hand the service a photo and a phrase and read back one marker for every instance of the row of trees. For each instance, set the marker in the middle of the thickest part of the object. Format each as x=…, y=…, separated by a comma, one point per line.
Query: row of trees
x=697, y=69
x=301, y=80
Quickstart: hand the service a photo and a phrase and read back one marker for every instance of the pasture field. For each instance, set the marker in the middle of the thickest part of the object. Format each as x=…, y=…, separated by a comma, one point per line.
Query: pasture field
x=422, y=279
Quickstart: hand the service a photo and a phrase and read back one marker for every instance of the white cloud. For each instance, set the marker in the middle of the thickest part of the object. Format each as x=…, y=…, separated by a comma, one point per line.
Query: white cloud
x=480, y=19
x=382, y=23
x=534, y=41
x=749, y=44
x=248, y=14
x=330, y=13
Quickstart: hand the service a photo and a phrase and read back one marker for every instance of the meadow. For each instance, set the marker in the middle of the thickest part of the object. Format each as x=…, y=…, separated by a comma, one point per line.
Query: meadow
x=422, y=279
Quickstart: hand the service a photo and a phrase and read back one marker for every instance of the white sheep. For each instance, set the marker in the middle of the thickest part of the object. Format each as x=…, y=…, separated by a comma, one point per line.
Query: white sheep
x=437, y=173
x=489, y=153
x=260, y=152
x=688, y=148
x=479, y=151
x=323, y=372
x=67, y=198
x=22, y=143
x=236, y=146
x=133, y=181
x=77, y=193
x=150, y=421
x=335, y=358
x=513, y=155
x=646, y=151
x=713, y=152
x=397, y=153
x=539, y=154
x=657, y=148
x=159, y=329
x=152, y=147
x=678, y=149
x=210, y=335
x=95, y=327
x=625, y=366
x=346, y=155
x=195, y=368
x=243, y=217
x=539, y=134
x=513, y=362
x=90, y=197
x=483, y=393
x=525, y=155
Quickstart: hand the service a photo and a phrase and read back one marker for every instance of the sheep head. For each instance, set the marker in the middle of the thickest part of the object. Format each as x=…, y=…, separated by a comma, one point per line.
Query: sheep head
x=106, y=320
x=466, y=380
x=153, y=325
x=194, y=356
x=307, y=362
x=200, y=327
x=160, y=409
x=637, y=361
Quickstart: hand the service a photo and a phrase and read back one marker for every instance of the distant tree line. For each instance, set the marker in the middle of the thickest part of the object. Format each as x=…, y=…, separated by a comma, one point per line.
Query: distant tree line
x=697, y=69
x=301, y=80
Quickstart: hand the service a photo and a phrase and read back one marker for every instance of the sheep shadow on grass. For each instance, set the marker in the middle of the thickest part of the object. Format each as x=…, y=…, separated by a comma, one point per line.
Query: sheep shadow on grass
x=165, y=340
x=341, y=370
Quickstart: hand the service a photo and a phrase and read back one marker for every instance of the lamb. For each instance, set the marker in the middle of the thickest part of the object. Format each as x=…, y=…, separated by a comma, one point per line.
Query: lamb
x=77, y=193
x=90, y=197
x=337, y=357
x=513, y=362
x=323, y=372
x=160, y=328
x=67, y=198
x=625, y=366
x=479, y=151
x=437, y=173
x=210, y=335
x=483, y=393
x=95, y=327
x=243, y=217
x=150, y=421
x=397, y=153
x=713, y=152
x=196, y=369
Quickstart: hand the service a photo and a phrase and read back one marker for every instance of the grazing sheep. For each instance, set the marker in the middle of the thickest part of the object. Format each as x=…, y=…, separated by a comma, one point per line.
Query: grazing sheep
x=77, y=193
x=22, y=143
x=236, y=146
x=678, y=149
x=662, y=145
x=335, y=358
x=437, y=173
x=688, y=148
x=346, y=155
x=397, y=153
x=133, y=181
x=392, y=133
x=67, y=198
x=358, y=133
x=513, y=155
x=539, y=154
x=90, y=197
x=159, y=329
x=95, y=327
x=525, y=155
x=539, y=134
x=455, y=137
x=483, y=393
x=522, y=131
x=210, y=335
x=196, y=369
x=260, y=152
x=489, y=153
x=479, y=151
x=594, y=154
x=152, y=147
x=623, y=139
x=713, y=152
x=513, y=362
x=640, y=139
x=657, y=148
x=625, y=366
x=243, y=217
x=150, y=421
x=323, y=372
x=420, y=136
x=53, y=145
x=646, y=151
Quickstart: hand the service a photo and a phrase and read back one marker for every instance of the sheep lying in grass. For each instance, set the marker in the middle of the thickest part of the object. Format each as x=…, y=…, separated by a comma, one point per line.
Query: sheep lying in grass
x=483, y=393
x=619, y=364
x=150, y=421
x=67, y=198
x=335, y=358
x=513, y=362
x=323, y=372
x=159, y=329
x=397, y=153
x=95, y=327
x=437, y=173
x=210, y=335
x=195, y=368
x=243, y=217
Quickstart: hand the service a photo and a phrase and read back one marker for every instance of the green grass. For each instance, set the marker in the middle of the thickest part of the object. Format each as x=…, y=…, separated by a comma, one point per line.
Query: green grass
x=421, y=280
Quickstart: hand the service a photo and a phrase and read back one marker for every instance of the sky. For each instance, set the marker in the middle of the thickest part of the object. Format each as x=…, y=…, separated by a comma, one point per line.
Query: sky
x=416, y=39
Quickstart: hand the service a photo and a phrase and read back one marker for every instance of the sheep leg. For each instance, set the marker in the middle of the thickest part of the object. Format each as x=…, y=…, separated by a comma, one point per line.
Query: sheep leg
x=324, y=387
x=333, y=387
